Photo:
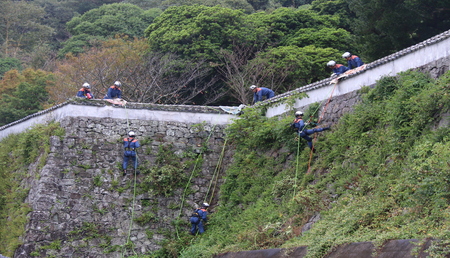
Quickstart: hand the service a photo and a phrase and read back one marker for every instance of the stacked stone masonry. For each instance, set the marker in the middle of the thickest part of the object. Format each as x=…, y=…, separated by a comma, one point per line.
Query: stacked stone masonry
x=91, y=219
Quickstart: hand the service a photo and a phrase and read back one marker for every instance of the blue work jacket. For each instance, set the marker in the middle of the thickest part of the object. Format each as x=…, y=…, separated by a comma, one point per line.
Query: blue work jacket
x=113, y=92
x=354, y=62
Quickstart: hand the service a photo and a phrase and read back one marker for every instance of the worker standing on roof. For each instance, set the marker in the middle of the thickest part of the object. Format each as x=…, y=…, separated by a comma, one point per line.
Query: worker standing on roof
x=114, y=91
x=130, y=145
x=353, y=61
x=300, y=125
x=337, y=68
x=260, y=92
x=85, y=91
x=197, y=218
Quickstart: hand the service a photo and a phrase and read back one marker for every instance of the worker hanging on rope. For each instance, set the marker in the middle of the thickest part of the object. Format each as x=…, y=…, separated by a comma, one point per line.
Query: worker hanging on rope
x=337, y=68
x=300, y=126
x=353, y=61
x=130, y=145
x=85, y=92
x=198, y=218
x=260, y=92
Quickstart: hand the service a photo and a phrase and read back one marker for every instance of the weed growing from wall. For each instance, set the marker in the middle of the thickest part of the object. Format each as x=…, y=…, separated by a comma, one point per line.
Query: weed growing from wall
x=167, y=174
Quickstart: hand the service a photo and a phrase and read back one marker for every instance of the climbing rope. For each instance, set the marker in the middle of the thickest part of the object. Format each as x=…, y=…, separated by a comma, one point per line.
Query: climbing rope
x=318, y=121
x=312, y=150
x=216, y=174
x=134, y=193
x=183, y=197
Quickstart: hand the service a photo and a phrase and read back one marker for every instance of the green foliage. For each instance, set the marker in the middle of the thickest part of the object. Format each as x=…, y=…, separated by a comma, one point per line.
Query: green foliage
x=388, y=153
x=105, y=22
x=55, y=245
x=168, y=174
x=384, y=27
x=28, y=96
x=98, y=180
x=17, y=152
x=196, y=31
x=109, y=20
x=146, y=218
x=305, y=64
x=9, y=63
x=79, y=43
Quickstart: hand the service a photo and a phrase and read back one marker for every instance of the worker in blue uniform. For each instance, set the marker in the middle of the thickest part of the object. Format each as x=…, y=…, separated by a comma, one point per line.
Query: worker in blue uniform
x=260, y=92
x=353, y=61
x=337, y=68
x=130, y=144
x=198, y=218
x=85, y=92
x=114, y=91
x=300, y=127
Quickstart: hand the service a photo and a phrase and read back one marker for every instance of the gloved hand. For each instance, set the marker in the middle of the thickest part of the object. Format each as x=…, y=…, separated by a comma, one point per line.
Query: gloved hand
x=333, y=75
x=306, y=124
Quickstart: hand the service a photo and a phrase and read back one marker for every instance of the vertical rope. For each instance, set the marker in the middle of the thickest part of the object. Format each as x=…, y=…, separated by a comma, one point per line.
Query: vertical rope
x=216, y=174
x=134, y=195
x=183, y=197
x=320, y=118
x=312, y=150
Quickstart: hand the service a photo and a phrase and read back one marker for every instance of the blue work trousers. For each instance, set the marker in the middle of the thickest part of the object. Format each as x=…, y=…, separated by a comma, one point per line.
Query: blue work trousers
x=304, y=134
x=196, y=224
x=128, y=158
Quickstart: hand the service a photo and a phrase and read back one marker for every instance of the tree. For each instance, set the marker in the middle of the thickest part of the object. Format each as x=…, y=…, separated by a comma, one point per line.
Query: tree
x=236, y=72
x=384, y=27
x=21, y=27
x=231, y=4
x=79, y=44
x=323, y=38
x=106, y=22
x=109, y=20
x=338, y=8
x=197, y=31
x=147, y=77
x=299, y=65
x=57, y=14
x=82, y=6
x=9, y=63
x=25, y=94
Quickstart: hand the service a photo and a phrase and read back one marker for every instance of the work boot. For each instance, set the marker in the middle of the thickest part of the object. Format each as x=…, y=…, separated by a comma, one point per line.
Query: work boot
x=326, y=128
x=124, y=172
x=138, y=172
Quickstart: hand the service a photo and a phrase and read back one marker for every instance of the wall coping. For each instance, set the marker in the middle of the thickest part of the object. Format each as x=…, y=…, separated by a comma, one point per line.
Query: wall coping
x=103, y=109
x=412, y=57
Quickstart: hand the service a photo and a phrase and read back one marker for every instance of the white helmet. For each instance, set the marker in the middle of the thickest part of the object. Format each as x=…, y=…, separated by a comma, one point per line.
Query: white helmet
x=331, y=63
x=118, y=84
x=205, y=204
x=253, y=87
x=131, y=134
x=86, y=85
x=299, y=113
x=346, y=55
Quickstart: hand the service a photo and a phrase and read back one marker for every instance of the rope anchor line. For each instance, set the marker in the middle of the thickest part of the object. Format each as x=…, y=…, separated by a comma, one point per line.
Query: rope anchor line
x=314, y=139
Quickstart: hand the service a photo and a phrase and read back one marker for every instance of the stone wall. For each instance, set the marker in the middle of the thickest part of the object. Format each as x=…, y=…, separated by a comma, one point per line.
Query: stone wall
x=81, y=199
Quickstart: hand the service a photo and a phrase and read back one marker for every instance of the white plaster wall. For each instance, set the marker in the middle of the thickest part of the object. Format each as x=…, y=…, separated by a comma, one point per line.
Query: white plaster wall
x=71, y=110
x=415, y=59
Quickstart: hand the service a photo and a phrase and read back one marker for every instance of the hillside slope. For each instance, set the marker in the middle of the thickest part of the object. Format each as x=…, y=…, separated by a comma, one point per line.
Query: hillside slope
x=382, y=173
